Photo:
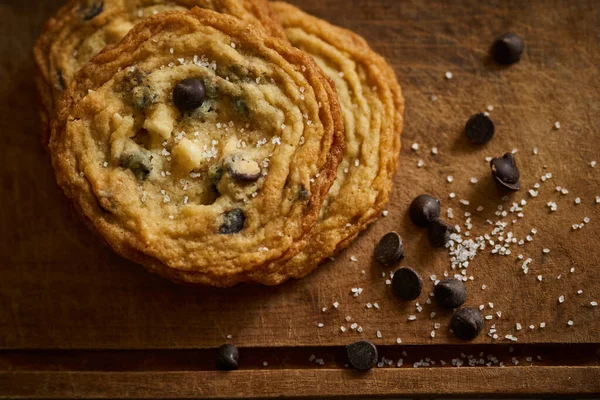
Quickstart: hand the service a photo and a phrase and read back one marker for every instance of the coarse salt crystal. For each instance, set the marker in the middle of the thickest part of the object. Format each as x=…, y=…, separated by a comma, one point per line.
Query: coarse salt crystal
x=448, y=75
x=415, y=146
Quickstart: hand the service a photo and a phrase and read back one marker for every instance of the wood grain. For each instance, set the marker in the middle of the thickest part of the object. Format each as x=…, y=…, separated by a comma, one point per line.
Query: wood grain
x=62, y=289
x=520, y=381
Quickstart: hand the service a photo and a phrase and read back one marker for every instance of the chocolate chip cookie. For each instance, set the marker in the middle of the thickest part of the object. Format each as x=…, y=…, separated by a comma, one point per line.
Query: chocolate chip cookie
x=82, y=28
x=200, y=147
x=373, y=108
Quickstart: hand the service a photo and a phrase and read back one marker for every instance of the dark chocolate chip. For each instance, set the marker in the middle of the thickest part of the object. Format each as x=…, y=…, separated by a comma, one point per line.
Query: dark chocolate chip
x=505, y=171
x=507, y=49
x=188, y=94
x=93, y=10
x=227, y=357
x=139, y=163
x=243, y=169
x=479, y=129
x=389, y=249
x=362, y=355
x=439, y=232
x=424, y=209
x=450, y=293
x=407, y=284
x=143, y=97
x=467, y=323
x=233, y=222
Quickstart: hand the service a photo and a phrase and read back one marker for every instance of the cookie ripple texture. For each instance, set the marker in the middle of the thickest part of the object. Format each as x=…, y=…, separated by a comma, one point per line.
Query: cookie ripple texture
x=163, y=187
x=373, y=108
x=82, y=28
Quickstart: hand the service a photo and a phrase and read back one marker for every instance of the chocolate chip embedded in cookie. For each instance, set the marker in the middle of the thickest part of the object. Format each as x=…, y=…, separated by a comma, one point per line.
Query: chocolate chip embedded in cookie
x=199, y=188
x=373, y=108
x=82, y=28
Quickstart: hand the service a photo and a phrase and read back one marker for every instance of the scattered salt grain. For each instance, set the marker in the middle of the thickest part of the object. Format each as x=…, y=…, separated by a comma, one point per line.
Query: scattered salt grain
x=448, y=75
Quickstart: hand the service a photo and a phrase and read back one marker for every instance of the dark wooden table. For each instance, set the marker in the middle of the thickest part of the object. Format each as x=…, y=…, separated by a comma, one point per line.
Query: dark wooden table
x=78, y=321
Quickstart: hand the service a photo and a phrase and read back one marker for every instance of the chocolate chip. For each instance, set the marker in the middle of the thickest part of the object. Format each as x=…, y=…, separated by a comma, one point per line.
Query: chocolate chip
x=467, y=323
x=505, y=171
x=227, y=357
x=507, y=49
x=139, y=163
x=243, y=169
x=407, y=284
x=389, y=249
x=439, y=232
x=479, y=128
x=233, y=222
x=188, y=94
x=424, y=209
x=450, y=293
x=93, y=10
x=362, y=355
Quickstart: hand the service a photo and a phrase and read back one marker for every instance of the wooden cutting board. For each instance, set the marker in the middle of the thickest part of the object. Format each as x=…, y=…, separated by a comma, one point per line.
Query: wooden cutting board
x=78, y=321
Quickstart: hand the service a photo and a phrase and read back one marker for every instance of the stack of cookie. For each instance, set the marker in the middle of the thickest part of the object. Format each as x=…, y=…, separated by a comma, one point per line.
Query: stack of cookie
x=217, y=141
